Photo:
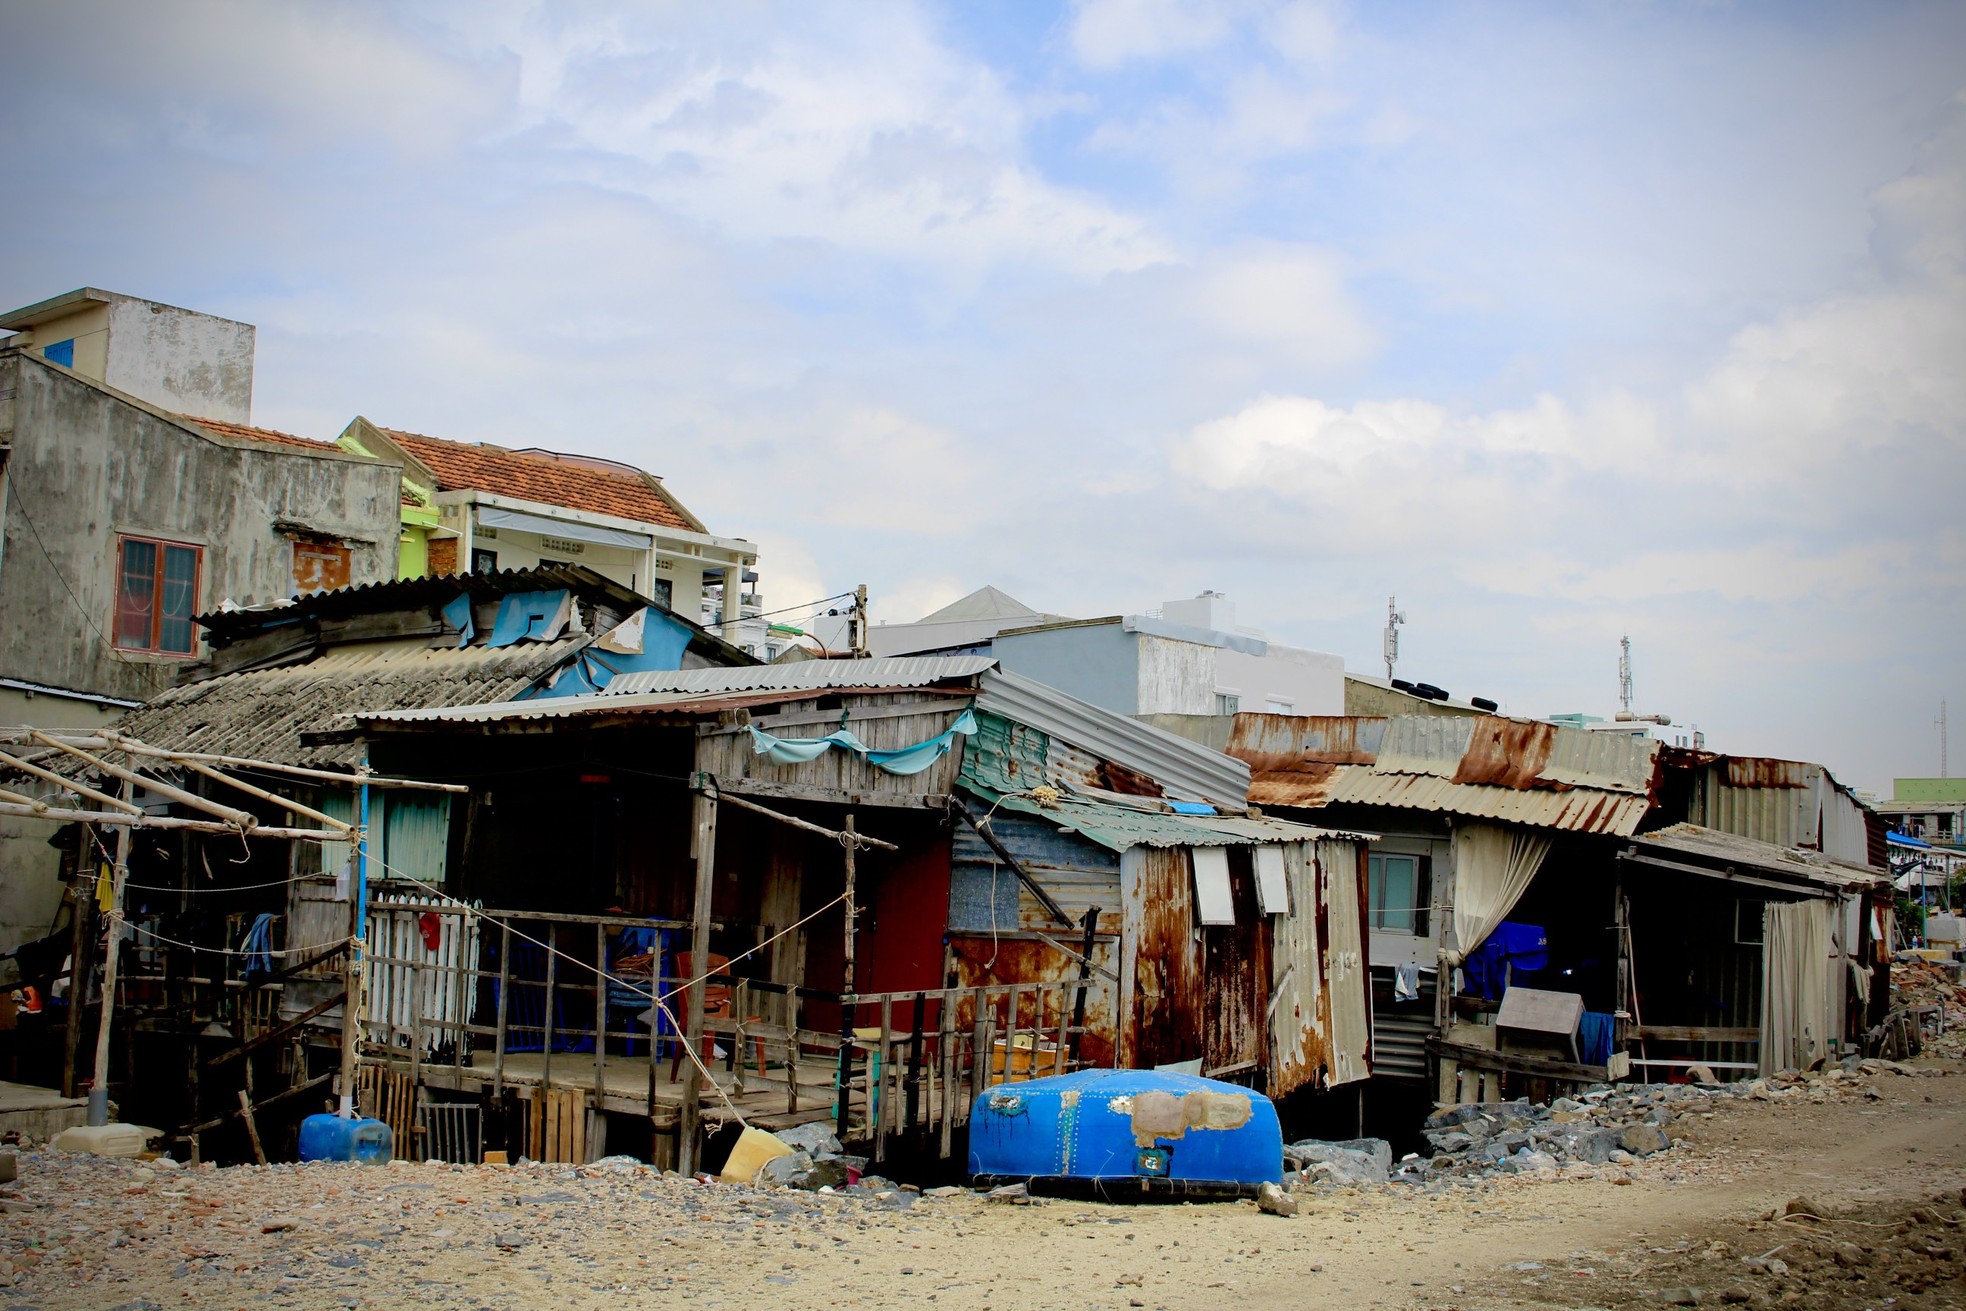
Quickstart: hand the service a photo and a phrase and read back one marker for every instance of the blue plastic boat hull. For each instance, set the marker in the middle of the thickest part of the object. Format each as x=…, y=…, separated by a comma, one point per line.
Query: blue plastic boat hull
x=1126, y=1133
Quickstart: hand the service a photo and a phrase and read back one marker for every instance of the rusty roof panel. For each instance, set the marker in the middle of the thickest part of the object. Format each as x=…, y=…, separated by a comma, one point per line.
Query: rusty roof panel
x=1618, y=762
x=1576, y=810
x=1762, y=772
x=1283, y=742
x=1424, y=744
x=1506, y=753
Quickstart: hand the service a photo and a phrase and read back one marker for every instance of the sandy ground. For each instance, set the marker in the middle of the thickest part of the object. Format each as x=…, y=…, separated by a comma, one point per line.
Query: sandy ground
x=1886, y=1171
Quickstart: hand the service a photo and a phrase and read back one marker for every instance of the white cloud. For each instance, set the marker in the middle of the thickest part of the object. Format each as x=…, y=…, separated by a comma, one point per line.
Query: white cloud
x=1108, y=33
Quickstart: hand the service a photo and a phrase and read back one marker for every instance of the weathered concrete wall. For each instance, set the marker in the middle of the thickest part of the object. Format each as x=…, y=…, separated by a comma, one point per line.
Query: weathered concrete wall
x=1362, y=698
x=181, y=360
x=88, y=465
x=1298, y=681
x=30, y=889
x=1097, y=663
x=1179, y=678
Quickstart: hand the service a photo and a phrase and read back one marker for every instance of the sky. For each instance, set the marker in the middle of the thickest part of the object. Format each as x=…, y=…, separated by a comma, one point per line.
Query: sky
x=1561, y=323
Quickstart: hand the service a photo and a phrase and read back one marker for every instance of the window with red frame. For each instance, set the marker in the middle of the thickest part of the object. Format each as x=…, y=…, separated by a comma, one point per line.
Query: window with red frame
x=156, y=595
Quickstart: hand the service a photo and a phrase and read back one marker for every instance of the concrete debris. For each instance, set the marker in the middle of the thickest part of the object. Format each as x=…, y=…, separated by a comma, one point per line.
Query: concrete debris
x=1607, y=1127
x=1354, y=1161
x=815, y=1139
x=1272, y=1200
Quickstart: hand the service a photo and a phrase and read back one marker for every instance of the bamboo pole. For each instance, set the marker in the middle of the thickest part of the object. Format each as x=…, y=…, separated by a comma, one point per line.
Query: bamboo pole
x=237, y=818
x=99, y=1089
x=842, y=1110
x=351, y=1006
x=113, y=819
x=67, y=785
x=690, y=1118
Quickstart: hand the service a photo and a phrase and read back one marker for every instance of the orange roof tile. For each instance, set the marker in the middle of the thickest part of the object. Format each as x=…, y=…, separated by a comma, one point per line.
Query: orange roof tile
x=224, y=429
x=477, y=467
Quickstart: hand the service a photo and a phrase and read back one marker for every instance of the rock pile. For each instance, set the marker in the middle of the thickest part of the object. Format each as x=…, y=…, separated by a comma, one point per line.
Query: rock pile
x=1612, y=1125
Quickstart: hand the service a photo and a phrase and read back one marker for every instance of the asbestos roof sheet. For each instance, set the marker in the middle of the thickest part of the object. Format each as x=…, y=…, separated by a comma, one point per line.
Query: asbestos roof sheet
x=262, y=713
x=1710, y=846
x=805, y=675
x=1121, y=828
x=593, y=705
x=1577, y=810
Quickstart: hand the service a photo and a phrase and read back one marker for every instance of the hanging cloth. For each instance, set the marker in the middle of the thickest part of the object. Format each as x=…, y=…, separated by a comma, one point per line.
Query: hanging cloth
x=1492, y=868
x=901, y=760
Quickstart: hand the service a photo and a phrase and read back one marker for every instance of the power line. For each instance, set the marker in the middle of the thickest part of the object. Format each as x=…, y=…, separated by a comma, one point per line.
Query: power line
x=149, y=674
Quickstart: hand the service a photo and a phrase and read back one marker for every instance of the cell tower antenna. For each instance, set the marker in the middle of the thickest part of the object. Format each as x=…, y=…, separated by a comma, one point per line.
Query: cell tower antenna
x=1394, y=618
x=1625, y=673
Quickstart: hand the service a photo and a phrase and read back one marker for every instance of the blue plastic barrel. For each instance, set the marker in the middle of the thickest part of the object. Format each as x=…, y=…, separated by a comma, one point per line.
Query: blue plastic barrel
x=1151, y=1130
x=331, y=1138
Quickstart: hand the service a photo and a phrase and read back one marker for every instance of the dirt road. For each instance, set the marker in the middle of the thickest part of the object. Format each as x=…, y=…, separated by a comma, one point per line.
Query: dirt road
x=84, y=1233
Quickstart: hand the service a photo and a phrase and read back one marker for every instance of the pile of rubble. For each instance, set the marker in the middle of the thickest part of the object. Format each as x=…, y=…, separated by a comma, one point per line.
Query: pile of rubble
x=1606, y=1126
x=1919, y=983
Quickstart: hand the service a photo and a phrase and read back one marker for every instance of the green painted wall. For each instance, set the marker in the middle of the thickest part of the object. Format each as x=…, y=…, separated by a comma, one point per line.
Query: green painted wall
x=1929, y=791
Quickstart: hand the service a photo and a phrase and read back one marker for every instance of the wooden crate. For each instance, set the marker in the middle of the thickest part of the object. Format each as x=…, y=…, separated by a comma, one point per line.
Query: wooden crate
x=556, y=1125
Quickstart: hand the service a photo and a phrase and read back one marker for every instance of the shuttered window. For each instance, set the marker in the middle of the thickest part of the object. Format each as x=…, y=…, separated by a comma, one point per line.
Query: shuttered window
x=156, y=595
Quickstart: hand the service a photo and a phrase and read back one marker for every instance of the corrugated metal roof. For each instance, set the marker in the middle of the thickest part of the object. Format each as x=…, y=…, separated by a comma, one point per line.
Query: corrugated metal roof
x=1122, y=828
x=262, y=713
x=1762, y=857
x=892, y=671
x=680, y=704
x=1578, y=810
x=1188, y=772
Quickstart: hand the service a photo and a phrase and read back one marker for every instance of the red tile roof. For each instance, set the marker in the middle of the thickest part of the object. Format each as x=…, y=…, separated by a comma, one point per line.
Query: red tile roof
x=224, y=429
x=477, y=467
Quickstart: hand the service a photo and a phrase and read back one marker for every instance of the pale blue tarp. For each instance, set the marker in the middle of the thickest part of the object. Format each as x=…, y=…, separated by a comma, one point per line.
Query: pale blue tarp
x=901, y=760
x=664, y=639
x=458, y=615
x=530, y=616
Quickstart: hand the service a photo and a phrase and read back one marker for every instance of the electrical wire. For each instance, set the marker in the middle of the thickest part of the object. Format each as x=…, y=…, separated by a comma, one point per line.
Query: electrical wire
x=150, y=674
x=803, y=605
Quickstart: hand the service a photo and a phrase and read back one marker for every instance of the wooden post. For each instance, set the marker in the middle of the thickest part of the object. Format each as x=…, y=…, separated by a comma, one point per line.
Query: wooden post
x=351, y=1005
x=884, y=1104
x=915, y=1062
x=690, y=1122
x=600, y=1015
x=546, y=1020
x=1085, y=982
x=82, y=906
x=504, y=1000
x=979, y=1051
x=843, y=1105
x=99, y=1090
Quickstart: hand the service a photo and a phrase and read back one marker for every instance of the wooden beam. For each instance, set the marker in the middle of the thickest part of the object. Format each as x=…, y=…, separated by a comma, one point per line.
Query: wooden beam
x=859, y=839
x=813, y=718
x=1694, y=1033
x=1508, y=1062
x=759, y=787
x=704, y=848
x=314, y=1012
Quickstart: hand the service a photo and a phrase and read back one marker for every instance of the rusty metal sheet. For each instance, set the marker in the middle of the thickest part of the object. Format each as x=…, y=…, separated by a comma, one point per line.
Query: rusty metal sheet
x=1161, y=1002
x=986, y=962
x=1577, y=810
x=1308, y=786
x=1506, y=753
x=1300, y=1009
x=1291, y=742
x=1763, y=772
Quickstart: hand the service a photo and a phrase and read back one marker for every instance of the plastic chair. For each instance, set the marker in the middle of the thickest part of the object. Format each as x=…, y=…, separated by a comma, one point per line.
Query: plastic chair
x=717, y=998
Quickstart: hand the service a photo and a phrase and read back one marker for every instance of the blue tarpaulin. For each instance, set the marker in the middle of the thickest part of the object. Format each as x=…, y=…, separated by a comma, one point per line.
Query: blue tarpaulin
x=664, y=638
x=901, y=760
x=530, y=617
x=458, y=615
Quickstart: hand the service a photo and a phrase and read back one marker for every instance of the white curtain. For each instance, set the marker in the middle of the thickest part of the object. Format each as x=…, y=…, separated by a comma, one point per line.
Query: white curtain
x=1797, y=958
x=1492, y=868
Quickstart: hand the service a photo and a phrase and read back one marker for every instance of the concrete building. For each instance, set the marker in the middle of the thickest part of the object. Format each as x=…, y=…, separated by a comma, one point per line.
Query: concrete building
x=1930, y=809
x=1191, y=659
x=963, y=627
x=177, y=359
x=121, y=518
x=477, y=507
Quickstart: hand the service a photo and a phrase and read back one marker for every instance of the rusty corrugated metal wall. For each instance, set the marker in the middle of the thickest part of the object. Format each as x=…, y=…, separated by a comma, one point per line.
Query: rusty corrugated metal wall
x=1160, y=959
x=1300, y=1020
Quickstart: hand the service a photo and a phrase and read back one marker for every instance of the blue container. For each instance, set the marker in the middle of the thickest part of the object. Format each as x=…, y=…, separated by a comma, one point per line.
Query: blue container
x=331, y=1138
x=1127, y=1132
